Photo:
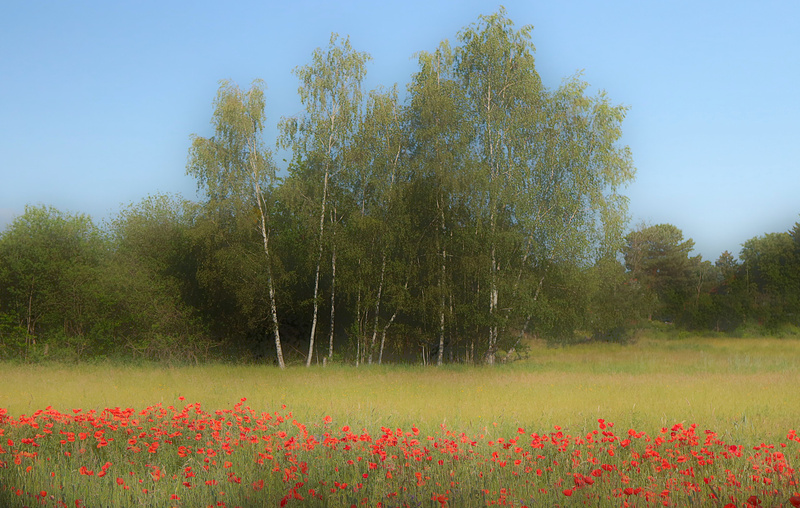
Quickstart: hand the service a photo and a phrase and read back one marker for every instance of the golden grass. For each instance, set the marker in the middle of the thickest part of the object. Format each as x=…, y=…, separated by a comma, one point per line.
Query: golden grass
x=744, y=389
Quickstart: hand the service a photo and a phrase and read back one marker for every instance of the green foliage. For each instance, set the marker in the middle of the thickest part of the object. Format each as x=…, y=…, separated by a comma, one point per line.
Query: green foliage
x=771, y=266
x=50, y=265
x=658, y=259
x=151, y=281
x=616, y=302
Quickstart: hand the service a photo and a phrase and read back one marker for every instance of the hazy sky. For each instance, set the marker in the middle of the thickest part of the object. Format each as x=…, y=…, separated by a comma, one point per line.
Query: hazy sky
x=98, y=99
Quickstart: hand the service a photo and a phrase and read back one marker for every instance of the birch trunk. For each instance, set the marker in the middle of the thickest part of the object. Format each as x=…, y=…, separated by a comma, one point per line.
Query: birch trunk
x=442, y=285
x=333, y=287
x=319, y=265
x=265, y=238
x=490, y=354
x=383, y=336
x=377, y=309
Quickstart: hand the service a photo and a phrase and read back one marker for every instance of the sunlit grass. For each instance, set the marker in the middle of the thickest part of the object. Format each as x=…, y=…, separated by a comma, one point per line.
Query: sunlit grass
x=742, y=388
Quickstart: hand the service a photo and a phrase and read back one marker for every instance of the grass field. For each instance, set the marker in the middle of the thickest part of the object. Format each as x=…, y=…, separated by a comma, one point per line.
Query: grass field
x=744, y=390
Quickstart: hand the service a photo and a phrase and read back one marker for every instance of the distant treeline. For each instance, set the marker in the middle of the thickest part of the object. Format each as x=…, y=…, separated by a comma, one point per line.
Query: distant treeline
x=481, y=209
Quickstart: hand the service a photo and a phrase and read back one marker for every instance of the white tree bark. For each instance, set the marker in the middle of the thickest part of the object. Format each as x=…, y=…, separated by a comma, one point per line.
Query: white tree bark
x=333, y=288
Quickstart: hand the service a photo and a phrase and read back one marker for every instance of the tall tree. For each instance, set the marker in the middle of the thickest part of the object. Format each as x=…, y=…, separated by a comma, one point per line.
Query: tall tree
x=728, y=294
x=236, y=172
x=549, y=166
x=658, y=259
x=496, y=66
x=439, y=149
x=330, y=91
x=773, y=270
x=374, y=182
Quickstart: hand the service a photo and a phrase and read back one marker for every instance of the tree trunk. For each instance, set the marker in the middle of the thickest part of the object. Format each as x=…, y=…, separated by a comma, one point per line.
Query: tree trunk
x=358, y=325
x=333, y=286
x=275, y=325
x=319, y=265
x=377, y=309
x=442, y=285
x=265, y=238
x=493, y=298
x=383, y=336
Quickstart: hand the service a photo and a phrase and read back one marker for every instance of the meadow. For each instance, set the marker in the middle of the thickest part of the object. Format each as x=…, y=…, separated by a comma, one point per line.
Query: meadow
x=673, y=422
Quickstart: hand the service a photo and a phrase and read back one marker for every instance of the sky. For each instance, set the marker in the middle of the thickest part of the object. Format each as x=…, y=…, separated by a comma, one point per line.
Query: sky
x=98, y=100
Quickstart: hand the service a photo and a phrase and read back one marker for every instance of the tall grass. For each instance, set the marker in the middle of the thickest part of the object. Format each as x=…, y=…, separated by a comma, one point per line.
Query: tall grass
x=743, y=388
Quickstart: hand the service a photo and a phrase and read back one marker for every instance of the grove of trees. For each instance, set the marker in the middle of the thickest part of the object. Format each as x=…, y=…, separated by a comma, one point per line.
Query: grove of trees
x=443, y=227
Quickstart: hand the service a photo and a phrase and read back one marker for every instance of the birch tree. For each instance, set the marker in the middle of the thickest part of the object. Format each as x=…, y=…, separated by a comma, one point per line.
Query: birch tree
x=236, y=171
x=439, y=147
x=550, y=167
x=496, y=67
x=330, y=91
x=374, y=181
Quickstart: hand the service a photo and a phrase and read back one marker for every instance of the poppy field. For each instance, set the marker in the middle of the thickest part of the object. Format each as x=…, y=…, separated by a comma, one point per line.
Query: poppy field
x=666, y=423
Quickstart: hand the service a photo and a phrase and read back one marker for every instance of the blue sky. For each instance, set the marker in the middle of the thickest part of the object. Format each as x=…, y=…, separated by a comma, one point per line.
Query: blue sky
x=98, y=99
